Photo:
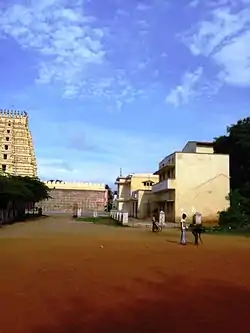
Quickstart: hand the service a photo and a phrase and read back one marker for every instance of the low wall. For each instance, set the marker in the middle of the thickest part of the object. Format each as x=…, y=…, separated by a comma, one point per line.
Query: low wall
x=60, y=185
x=63, y=200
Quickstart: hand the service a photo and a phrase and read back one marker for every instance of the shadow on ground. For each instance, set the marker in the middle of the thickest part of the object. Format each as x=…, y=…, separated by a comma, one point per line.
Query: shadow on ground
x=25, y=219
x=174, y=306
x=178, y=242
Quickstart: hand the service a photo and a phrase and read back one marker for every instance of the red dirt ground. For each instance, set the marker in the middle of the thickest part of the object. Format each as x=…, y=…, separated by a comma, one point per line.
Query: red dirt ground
x=56, y=278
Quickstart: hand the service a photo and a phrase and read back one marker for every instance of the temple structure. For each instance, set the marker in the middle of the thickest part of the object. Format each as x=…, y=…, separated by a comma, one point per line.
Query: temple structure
x=17, y=152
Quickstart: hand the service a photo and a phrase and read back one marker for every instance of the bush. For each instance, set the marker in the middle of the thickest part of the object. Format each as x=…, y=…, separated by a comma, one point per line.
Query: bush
x=233, y=218
x=237, y=215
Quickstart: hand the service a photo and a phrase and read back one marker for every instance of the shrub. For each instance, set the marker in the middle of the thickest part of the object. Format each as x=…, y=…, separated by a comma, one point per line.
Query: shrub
x=233, y=218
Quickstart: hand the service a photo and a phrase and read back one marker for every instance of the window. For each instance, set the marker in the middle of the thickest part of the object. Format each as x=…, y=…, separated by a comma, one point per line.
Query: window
x=6, y=147
x=9, y=124
x=8, y=131
x=148, y=183
x=5, y=156
x=7, y=138
x=3, y=167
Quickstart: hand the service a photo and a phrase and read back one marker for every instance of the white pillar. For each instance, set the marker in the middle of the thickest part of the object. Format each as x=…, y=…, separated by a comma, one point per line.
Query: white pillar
x=125, y=219
x=120, y=217
x=162, y=218
x=79, y=212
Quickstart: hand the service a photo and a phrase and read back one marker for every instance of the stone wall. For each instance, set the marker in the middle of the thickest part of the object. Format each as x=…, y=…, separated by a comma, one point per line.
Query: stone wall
x=62, y=201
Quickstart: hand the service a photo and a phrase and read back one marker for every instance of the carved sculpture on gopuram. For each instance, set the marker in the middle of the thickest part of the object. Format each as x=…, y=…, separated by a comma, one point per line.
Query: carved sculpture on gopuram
x=17, y=155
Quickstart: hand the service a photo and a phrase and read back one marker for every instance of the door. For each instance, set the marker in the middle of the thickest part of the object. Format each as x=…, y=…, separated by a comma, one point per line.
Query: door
x=170, y=211
x=136, y=209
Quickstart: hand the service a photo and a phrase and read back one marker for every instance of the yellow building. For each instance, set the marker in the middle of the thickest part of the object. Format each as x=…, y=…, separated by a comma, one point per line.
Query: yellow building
x=133, y=193
x=195, y=179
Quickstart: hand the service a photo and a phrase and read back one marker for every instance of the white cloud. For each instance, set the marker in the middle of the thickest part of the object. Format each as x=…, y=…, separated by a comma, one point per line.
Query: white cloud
x=186, y=90
x=53, y=164
x=61, y=36
x=231, y=3
x=234, y=61
x=142, y=7
x=69, y=48
x=79, y=171
x=111, y=150
x=225, y=39
x=194, y=3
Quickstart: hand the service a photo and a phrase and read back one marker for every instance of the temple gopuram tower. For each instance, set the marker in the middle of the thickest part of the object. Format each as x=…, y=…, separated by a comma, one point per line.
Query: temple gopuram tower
x=17, y=156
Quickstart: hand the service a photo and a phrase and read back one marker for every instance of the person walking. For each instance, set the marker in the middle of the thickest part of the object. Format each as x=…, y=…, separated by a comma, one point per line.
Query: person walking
x=154, y=222
x=183, y=229
x=197, y=228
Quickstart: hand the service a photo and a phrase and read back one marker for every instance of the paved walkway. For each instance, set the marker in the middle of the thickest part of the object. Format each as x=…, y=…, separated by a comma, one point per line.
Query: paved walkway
x=136, y=223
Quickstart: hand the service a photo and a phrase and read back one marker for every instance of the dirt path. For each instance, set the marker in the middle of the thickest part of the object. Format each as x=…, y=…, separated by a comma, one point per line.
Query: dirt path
x=57, y=276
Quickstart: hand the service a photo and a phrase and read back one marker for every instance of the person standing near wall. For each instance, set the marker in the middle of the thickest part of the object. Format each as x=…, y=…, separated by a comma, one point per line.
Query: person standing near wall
x=155, y=221
x=183, y=229
x=197, y=228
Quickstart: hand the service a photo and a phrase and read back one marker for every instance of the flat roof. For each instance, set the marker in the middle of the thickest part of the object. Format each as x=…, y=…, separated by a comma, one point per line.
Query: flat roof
x=137, y=175
x=167, y=156
x=165, y=167
x=198, y=143
x=168, y=166
x=202, y=143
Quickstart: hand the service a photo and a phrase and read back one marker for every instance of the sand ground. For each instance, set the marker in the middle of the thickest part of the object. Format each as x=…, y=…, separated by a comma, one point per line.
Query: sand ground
x=58, y=276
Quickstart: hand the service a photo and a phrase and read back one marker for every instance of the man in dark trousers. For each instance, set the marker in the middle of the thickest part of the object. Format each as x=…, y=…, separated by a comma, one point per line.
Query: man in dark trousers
x=197, y=228
x=155, y=220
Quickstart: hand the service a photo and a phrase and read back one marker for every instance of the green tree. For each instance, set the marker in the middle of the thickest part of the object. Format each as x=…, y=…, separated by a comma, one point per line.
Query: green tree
x=38, y=189
x=236, y=143
x=16, y=193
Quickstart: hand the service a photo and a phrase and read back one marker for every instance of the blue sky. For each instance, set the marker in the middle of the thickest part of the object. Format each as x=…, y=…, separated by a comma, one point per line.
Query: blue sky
x=110, y=84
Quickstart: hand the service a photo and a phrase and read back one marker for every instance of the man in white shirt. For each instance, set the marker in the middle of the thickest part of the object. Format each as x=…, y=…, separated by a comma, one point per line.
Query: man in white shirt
x=183, y=229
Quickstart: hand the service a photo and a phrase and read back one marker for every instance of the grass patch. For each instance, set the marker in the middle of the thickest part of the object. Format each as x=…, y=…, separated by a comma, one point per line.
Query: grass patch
x=101, y=220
